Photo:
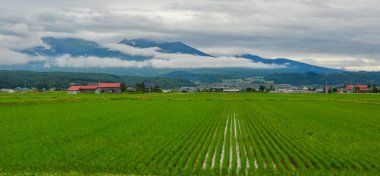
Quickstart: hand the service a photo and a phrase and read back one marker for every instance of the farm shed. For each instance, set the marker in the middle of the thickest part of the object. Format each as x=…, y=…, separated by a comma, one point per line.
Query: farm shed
x=109, y=87
x=81, y=89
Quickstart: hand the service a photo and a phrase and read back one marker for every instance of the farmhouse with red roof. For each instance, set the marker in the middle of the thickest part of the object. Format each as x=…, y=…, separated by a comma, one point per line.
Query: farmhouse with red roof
x=356, y=88
x=97, y=88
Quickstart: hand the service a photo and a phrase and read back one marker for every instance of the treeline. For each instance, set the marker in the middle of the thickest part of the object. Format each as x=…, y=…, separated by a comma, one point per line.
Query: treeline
x=296, y=79
x=13, y=79
x=309, y=78
x=262, y=88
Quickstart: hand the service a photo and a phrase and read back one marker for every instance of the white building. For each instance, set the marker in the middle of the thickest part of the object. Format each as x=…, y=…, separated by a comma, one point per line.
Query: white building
x=7, y=91
x=231, y=90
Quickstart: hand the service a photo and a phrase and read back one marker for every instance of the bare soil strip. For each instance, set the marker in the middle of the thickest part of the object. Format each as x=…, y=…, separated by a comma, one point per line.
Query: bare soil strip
x=204, y=166
x=231, y=153
x=274, y=165
x=224, y=143
x=237, y=146
x=251, y=150
x=245, y=150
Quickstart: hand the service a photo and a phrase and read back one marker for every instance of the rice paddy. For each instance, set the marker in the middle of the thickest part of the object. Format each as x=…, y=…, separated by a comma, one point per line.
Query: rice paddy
x=190, y=134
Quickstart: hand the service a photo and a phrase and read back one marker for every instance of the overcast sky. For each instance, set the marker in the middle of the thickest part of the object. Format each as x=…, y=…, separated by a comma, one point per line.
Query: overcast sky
x=332, y=33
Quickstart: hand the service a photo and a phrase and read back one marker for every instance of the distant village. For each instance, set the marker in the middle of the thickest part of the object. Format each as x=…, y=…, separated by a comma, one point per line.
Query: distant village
x=117, y=88
x=285, y=88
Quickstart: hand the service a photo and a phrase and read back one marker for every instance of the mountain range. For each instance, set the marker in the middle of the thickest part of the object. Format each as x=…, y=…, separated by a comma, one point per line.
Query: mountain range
x=75, y=47
x=292, y=72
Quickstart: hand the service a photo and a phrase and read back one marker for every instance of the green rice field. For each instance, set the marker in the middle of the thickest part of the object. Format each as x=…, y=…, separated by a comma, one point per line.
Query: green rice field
x=189, y=134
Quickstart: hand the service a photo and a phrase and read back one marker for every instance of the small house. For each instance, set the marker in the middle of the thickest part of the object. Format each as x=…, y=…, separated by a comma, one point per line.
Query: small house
x=109, y=87
x=81, y=89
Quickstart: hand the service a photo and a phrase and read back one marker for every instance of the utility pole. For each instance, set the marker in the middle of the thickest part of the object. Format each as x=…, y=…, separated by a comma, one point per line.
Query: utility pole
x=326, y=87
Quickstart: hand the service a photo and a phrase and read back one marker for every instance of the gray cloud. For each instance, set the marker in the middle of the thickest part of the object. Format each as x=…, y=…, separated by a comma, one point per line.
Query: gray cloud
x=10, y=57
x=158, y=60
x=165, y=61
x=324, y=32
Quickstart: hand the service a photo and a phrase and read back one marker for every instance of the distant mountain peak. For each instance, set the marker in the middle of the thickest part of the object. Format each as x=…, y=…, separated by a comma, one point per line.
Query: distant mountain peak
x=165, y=47
x=77, y=47
x=291, y=65
x=139, y=43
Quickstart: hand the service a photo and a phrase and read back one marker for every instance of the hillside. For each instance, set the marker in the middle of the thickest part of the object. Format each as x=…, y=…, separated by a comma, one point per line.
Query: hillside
x=12, y=79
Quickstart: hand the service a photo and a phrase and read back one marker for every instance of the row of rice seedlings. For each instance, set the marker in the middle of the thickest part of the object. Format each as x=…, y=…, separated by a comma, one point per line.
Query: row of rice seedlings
x=208, y=161
x=298, y=148
x=346, y=161
x=321, y=157
x=202, y=147
x=297, y=160
x=258, y=146
x=218, y=155
x=312, y=152
x=254, y=151
x=286, y=150
x=252, y=161
x=300, y=141
x=238, y=158
x=239, y=149
x=273, y=159
x=293, y=159
x=231, y=151
x=179, y=162
x=243, y=149
x=164, y=154
x=226, y=153
x=149, y=158
x=102, y=133
x=278, y=162
x=342, y=162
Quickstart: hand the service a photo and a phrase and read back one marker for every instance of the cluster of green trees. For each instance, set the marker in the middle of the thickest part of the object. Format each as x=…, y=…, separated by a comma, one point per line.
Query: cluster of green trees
x=373, y=89
x=262, y=88
x=141, y=87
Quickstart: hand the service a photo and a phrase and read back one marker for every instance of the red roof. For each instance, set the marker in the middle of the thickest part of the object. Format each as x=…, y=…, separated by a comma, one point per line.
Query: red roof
x=109, y=84
x=361, y=87
x=88, y=87
x=74, y=88
x=101, y=85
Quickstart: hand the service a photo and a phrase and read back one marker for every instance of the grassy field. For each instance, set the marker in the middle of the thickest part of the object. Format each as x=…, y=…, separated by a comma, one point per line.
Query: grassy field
x=190, y=134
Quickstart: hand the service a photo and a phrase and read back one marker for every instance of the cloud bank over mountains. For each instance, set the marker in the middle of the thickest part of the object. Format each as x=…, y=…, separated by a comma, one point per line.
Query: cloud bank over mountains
x=156, y=59
x=332, y=33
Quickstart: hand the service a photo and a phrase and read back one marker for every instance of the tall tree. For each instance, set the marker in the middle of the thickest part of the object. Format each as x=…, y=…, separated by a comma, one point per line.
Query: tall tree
x=123, y=87
x=140, y=87
x=262, y=88
x=271, y=87
x=375, y=89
